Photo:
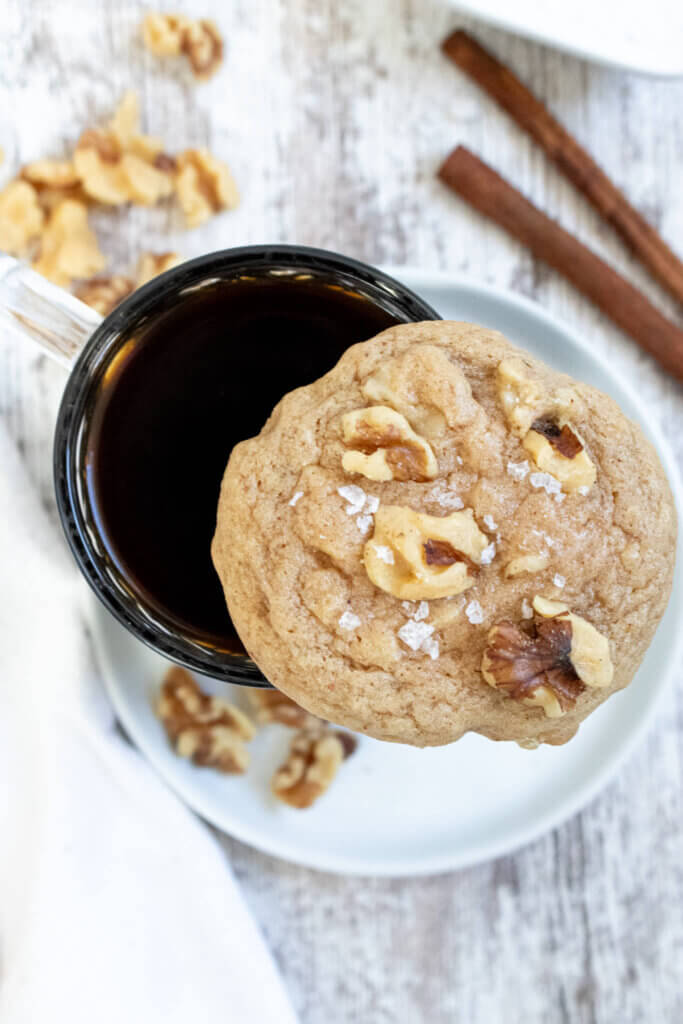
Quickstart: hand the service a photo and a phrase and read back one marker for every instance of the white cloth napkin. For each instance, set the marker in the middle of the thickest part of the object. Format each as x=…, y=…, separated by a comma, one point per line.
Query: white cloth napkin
x=116, y=904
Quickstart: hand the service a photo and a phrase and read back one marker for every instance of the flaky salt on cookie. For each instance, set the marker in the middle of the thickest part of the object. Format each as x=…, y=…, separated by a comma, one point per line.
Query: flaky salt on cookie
x=444, y=535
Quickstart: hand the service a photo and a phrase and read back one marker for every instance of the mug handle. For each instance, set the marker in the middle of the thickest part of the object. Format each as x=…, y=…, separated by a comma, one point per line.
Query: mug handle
x=32, y=307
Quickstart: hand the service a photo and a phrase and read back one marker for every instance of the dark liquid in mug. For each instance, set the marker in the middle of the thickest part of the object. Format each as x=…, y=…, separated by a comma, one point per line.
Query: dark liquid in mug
x=204, y=375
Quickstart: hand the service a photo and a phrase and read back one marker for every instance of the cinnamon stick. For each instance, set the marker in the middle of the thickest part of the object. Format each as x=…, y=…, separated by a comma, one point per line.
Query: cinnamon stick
x=489, y=193
x=571, y=158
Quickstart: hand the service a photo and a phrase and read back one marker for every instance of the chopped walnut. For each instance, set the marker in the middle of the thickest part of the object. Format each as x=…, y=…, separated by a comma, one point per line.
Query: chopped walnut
x=551, y=662
x=204, y=185
x=154, y=263
x=104, y=293
x=207, y=730
x=21, y=217
x=203, y=45
x=519, y=394
x=313, y=761
x=118, y=164
x=162, y=33
x=56, y=174
x=527, y=563
x=434, y=556
x=169, y=35
x=383, y=446
x=557, y=449
x=68, y=247
x=273, y=706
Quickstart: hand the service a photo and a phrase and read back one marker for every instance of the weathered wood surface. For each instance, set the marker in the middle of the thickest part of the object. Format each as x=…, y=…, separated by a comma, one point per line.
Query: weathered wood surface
x=334, y=116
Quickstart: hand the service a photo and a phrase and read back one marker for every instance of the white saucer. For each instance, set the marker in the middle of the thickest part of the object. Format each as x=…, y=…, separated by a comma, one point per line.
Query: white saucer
x=395, y=810
x=623, y=33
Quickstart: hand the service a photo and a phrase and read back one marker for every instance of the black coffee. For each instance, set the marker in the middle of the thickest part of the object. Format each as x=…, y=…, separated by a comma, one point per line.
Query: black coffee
x=204, y=375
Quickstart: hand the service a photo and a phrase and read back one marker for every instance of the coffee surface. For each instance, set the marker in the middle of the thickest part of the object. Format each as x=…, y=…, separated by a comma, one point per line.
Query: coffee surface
x=203, y=376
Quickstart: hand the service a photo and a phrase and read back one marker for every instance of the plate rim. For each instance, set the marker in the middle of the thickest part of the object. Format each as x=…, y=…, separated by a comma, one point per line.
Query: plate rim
x=483, y=851
x=472, y=8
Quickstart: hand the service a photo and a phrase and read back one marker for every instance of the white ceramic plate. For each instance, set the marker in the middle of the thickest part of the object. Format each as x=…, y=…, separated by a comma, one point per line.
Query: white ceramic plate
x=395, y=810
x=626, y=33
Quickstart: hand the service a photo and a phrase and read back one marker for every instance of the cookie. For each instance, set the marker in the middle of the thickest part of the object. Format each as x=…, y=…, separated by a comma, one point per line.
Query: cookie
x=444, y=535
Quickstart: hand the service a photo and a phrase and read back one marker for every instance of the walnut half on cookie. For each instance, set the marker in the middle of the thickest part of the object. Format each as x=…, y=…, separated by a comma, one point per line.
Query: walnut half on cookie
x=556, y=448
x=383, y=446
x=551, y=663
x=419, y=557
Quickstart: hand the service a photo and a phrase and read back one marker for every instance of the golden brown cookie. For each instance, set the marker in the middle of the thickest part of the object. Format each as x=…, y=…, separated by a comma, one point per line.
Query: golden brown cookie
x=442, y=535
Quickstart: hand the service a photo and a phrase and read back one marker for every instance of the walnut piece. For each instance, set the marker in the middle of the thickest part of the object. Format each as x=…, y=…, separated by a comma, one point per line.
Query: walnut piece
x=207, y=730
x=118, y=164
x=429, y=389
x=68, y=247
x=104, y=293
x=519, y=394
x=313, y=761
x=527, y=563
x=557, y=449
x=204, y=185
x=170, y=35
x=154, y=263
x=552, y=663
x=21, y=217
x=383, y=446
x=57, y=174
x=54, y=181
x=273, y=706
x=433, y=556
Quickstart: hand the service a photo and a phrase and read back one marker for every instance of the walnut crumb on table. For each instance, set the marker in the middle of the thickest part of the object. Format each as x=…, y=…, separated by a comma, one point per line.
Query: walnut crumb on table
x=175, y=35
x=44, y=212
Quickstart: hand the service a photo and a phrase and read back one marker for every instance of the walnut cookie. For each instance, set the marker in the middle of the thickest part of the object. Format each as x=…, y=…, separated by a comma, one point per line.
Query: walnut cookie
x=443, y=535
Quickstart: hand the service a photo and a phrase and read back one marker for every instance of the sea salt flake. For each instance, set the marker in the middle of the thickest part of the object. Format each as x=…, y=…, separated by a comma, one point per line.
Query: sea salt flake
x=559, y=580
x=489, y=522
x=474, y=613
x=384, y=553
x=295, y=497
x=559, y=498
x=550, y=541
x=430, y=646
x=550, y=484
x=408, y=606
x=349, y=621
x=364, y=523
x=371, y=504
x=355, y=496
x=414, y=634
x=422, y=611
x=458, y=459
x=527, y=610
x=488, y=554
x=584, y=490
x=446, y=498
x=518, y=470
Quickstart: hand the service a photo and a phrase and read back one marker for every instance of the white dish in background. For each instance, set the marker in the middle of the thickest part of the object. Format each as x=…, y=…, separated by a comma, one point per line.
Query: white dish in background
x=395, y=810
x=626, y=33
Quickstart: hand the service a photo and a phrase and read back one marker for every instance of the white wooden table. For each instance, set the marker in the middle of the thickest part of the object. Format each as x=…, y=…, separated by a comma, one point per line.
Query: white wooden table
x=334, y=115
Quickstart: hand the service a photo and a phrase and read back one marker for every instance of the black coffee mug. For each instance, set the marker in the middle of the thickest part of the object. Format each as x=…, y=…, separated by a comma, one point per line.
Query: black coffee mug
x=70, y=330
